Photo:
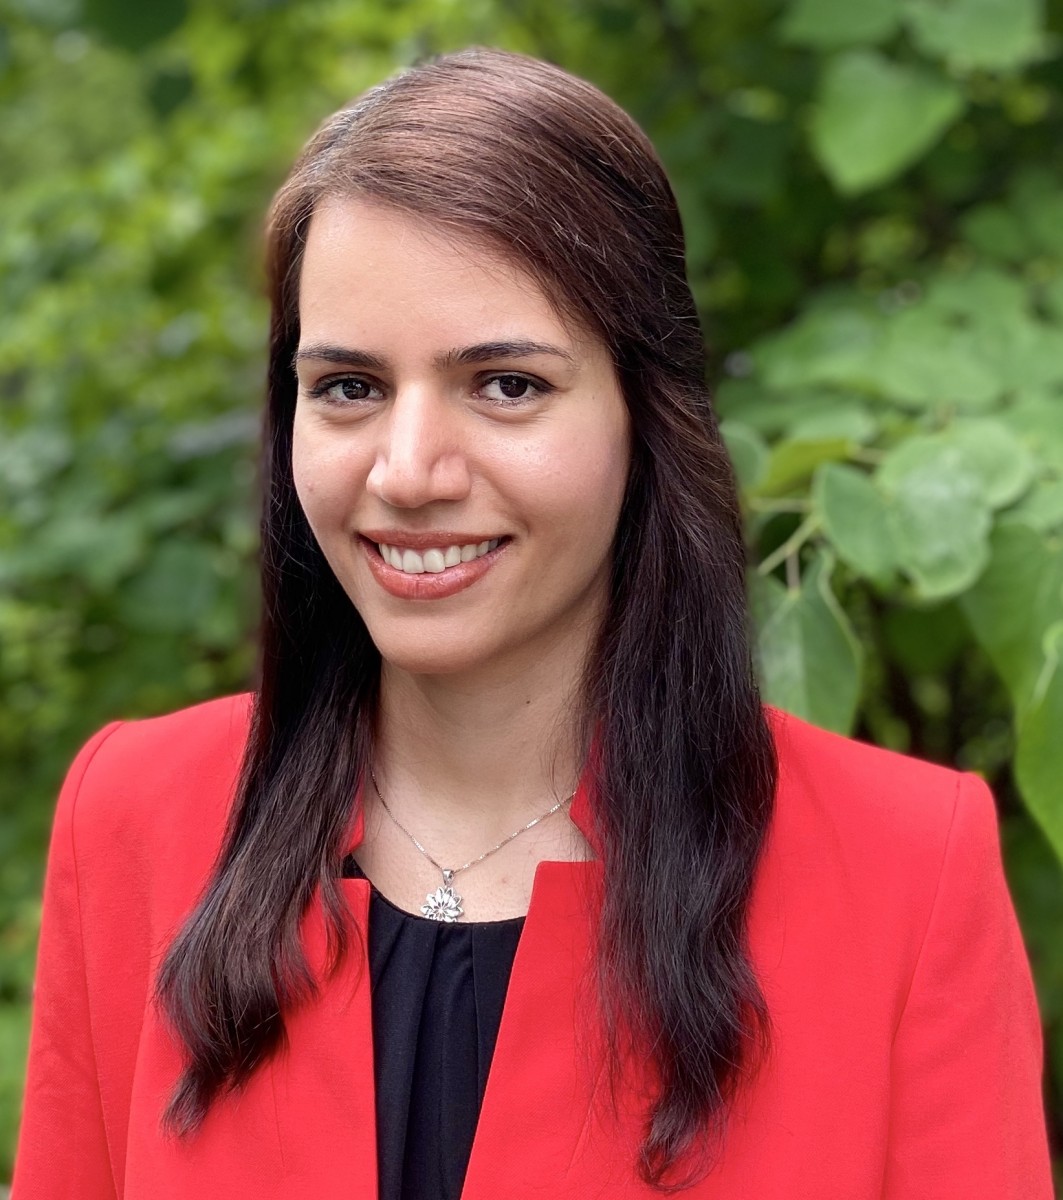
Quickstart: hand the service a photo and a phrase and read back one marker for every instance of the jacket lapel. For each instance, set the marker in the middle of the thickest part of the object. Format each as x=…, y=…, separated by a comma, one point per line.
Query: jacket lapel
x=323, y=1082
x=546, y=1059
x=303, y=1127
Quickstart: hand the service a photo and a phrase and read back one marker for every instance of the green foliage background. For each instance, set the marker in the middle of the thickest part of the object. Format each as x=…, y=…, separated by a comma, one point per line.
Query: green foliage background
x=873, y=194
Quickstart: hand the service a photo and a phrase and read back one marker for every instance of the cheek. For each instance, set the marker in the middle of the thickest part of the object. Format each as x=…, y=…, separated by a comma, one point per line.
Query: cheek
x=602, y=485
x=324, y=476
x=588, y=484
x=601, y=469
x=303, y=473
x=306, y=478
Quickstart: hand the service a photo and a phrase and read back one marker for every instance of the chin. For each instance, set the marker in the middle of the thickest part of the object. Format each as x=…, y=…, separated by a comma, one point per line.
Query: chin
x=428, y=656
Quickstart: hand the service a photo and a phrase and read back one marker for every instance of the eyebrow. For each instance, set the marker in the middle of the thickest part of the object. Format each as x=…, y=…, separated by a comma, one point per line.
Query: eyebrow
x=462, y=356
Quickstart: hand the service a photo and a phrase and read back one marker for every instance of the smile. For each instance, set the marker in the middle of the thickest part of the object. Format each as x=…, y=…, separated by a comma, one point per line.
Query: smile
x=431, y=572
x=435, y=559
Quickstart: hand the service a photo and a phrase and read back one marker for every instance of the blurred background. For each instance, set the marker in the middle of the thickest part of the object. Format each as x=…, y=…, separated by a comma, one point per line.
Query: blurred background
x=873, y=198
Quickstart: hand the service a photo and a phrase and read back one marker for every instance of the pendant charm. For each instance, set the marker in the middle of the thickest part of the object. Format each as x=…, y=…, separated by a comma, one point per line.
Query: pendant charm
x=444, y=904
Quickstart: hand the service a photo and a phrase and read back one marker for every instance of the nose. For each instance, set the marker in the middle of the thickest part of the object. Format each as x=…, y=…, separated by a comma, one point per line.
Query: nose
x=420, y=458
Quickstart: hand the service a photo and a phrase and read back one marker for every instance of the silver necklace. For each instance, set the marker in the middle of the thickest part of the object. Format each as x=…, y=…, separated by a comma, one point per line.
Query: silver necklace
x=444, y=904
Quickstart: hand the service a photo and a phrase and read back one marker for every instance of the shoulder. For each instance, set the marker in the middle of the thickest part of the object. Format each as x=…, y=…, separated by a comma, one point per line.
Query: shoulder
x=866, y=790
x=200, y=744
x=158, y=786
x=878, y=829
x=189, y=737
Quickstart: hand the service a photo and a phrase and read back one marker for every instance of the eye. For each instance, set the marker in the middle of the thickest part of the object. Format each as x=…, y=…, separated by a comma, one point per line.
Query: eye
x=512, y=389
x=345, y=389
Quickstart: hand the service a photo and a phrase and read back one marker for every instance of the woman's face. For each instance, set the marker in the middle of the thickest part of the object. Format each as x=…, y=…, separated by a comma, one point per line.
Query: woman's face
x=446, y=411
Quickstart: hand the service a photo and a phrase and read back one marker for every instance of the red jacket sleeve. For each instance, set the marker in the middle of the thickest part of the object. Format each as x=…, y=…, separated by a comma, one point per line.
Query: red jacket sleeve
x=967, y=1111
x=62, y=1149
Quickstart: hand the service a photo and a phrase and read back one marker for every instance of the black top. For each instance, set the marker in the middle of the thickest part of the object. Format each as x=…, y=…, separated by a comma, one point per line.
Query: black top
x=437, y=994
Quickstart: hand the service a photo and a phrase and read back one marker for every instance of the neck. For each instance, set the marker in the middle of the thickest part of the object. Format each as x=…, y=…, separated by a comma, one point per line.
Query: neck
x=491, y=750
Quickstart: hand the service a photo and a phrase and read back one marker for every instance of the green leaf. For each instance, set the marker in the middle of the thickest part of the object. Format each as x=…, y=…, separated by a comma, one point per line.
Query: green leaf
x=792, y=462
x=1017, y=599
x=1041, y=209
x=999, y=333
x=1039, y=746
x=938, y=515
x=748, y=402
x=927, y=361
x=981, y=294
x=982, y=447
x=855, y=518
x=805, y=413
x=826, y=346
x=748, y=451
x=1023, y=354
x=1038, y=420
x=996, y=455
x=836, y=420
x=810, y=659
x=995, y=231
x=875, y=117
x=830, y=23
x=977, y=34
x=1041, y=508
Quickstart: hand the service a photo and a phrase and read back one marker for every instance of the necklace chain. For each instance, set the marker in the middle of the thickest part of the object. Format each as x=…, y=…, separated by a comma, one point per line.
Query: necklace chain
x=444, y=904
x=447, y=873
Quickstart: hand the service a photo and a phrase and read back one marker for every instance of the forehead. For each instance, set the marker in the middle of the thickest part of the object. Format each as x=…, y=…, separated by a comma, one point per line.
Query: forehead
x=377, y=271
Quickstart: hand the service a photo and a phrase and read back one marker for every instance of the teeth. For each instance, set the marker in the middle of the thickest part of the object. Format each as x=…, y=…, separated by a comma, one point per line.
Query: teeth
x=434, y=560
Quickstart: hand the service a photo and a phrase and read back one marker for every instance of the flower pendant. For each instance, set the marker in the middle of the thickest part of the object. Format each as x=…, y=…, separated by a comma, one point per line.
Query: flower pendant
x=444, y=904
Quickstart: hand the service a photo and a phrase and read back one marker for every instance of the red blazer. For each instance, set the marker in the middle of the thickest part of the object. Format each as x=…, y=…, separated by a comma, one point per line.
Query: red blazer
x=907, y=1054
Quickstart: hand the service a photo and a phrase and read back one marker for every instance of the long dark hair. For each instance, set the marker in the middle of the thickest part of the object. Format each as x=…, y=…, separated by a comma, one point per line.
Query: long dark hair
x=523, y=156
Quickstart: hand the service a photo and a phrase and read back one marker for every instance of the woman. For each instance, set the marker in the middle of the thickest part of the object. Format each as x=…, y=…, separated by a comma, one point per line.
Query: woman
x=504, y=883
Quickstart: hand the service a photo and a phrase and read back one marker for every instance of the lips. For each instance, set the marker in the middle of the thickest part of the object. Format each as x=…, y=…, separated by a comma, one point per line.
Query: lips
x=428, y=585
